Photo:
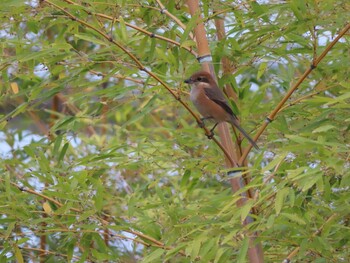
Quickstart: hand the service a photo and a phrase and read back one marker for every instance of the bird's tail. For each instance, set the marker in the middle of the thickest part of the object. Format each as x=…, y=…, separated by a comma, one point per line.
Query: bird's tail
x=252, y=142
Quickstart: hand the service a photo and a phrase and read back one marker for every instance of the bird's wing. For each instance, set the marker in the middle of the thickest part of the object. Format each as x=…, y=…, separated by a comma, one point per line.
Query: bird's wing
x=218, y=97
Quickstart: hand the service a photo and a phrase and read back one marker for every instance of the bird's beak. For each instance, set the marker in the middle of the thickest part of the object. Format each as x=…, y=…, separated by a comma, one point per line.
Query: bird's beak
x=188, y=81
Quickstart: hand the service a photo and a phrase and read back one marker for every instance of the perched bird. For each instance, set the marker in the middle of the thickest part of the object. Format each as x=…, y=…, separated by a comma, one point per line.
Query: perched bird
x=211, y=103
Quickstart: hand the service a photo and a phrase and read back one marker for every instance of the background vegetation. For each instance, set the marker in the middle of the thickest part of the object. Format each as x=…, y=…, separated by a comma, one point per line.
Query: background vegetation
x=101, y=163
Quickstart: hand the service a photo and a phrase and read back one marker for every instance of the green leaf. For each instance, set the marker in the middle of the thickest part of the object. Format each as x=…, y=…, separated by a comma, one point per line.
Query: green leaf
x=155, y=256
x=57, y=144
x=323, y=128
x=63, y=152
x=142, y=111
x=222, y=255
x=90, y=38
x=86, y=215
x=18, y=254
x=172, y=252
x=9, y=229
x=302, y=140
x=261, y=70
x=243, y=251
x=294, y=217
x=189, y=27
x=195, y=248
x=123, y=31
x=312, y=180
x=280, y=198
x=185, y=179
x=188, y=44
x=245, y=210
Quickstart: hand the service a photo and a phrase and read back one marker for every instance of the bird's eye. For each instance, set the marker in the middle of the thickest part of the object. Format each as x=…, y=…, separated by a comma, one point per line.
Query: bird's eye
x=199, y=78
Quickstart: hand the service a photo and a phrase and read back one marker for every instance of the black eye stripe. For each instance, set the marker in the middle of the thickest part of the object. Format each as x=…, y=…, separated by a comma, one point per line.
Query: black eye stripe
x=203, y=79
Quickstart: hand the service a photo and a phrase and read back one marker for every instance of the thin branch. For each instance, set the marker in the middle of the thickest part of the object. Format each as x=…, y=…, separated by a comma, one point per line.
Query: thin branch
x=47, y=252
x=30, y=191
x=303, y=98
x=143, y=68
x=316, y=233
x=104, y=222
x=150, y=34
x=163, y=10
x=273, y=114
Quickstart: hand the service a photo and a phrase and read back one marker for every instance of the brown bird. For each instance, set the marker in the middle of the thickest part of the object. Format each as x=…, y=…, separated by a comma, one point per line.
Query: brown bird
x=211, y=103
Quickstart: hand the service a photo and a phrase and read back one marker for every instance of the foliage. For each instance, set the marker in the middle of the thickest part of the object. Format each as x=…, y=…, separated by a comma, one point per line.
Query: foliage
x=104, y=164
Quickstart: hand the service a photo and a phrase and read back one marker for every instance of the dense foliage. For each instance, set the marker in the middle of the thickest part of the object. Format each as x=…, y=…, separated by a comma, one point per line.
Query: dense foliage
x=100, y=162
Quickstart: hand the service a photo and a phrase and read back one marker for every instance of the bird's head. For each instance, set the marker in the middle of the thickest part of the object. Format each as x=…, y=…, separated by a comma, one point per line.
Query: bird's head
x=200, y=77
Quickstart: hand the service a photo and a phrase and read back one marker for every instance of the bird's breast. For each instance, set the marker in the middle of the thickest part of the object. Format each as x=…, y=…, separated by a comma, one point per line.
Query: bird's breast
x=207, y=107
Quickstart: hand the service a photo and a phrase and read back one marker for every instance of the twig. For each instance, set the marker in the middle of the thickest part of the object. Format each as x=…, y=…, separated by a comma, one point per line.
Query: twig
x=316, y=233
x=273, y=114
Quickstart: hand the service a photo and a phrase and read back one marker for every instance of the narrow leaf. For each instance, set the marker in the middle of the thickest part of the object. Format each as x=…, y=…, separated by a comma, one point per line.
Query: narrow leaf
x=243, y=251
x=18, y=254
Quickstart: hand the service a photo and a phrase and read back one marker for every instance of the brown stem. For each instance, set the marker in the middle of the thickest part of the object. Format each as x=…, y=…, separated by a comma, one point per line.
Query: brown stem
x=255, y=250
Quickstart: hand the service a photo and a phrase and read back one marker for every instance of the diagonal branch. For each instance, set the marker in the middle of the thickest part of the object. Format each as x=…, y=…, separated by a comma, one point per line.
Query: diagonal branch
x=143, y=31
x=141, y=67
x=273, y=114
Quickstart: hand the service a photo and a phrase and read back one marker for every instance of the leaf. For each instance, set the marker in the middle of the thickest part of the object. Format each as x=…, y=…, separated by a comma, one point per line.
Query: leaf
x=9, y=229
x=280, y=197
x=195, y=248
x=57, y=144
x=34, y=55
x=339, y=99
x=90, y=38
x=22, y=240
x=189, y=27
x=302, y=140
x=14, y=87
x=307, y=184
x=262, y=69
x=29, y=150
x=85, y=215
x=123, y=31
x=47, y=208
x=142, y=111
x=276, y=160
x=245, y=210
x=155, y=256
x=323, y=128
x=242, y=254
x=294, y=217
x=172, y=252
x=62, y=124
x=19, y=109
x=295, y=7
x=185, y=179
x=260, y=10
x=188, y=44
x=209, y=249
x=222, y=255
x=63, y=152
x=18, y=254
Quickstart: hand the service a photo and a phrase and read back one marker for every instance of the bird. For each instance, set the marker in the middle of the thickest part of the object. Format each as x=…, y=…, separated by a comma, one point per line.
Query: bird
x=211, y=102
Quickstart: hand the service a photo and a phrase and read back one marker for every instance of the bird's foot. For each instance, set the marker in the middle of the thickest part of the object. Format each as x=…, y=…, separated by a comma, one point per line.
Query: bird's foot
x=201, y=123
x=210, y=135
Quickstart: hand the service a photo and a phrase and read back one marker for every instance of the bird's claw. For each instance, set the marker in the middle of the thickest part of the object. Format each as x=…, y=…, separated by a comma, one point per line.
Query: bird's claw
x=201, y=123
x=211, y=135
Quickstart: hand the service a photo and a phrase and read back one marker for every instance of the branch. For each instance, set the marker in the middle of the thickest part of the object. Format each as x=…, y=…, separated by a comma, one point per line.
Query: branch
x=316, y=233
x=273, y=114
x=141, y=67
x=150, y=34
